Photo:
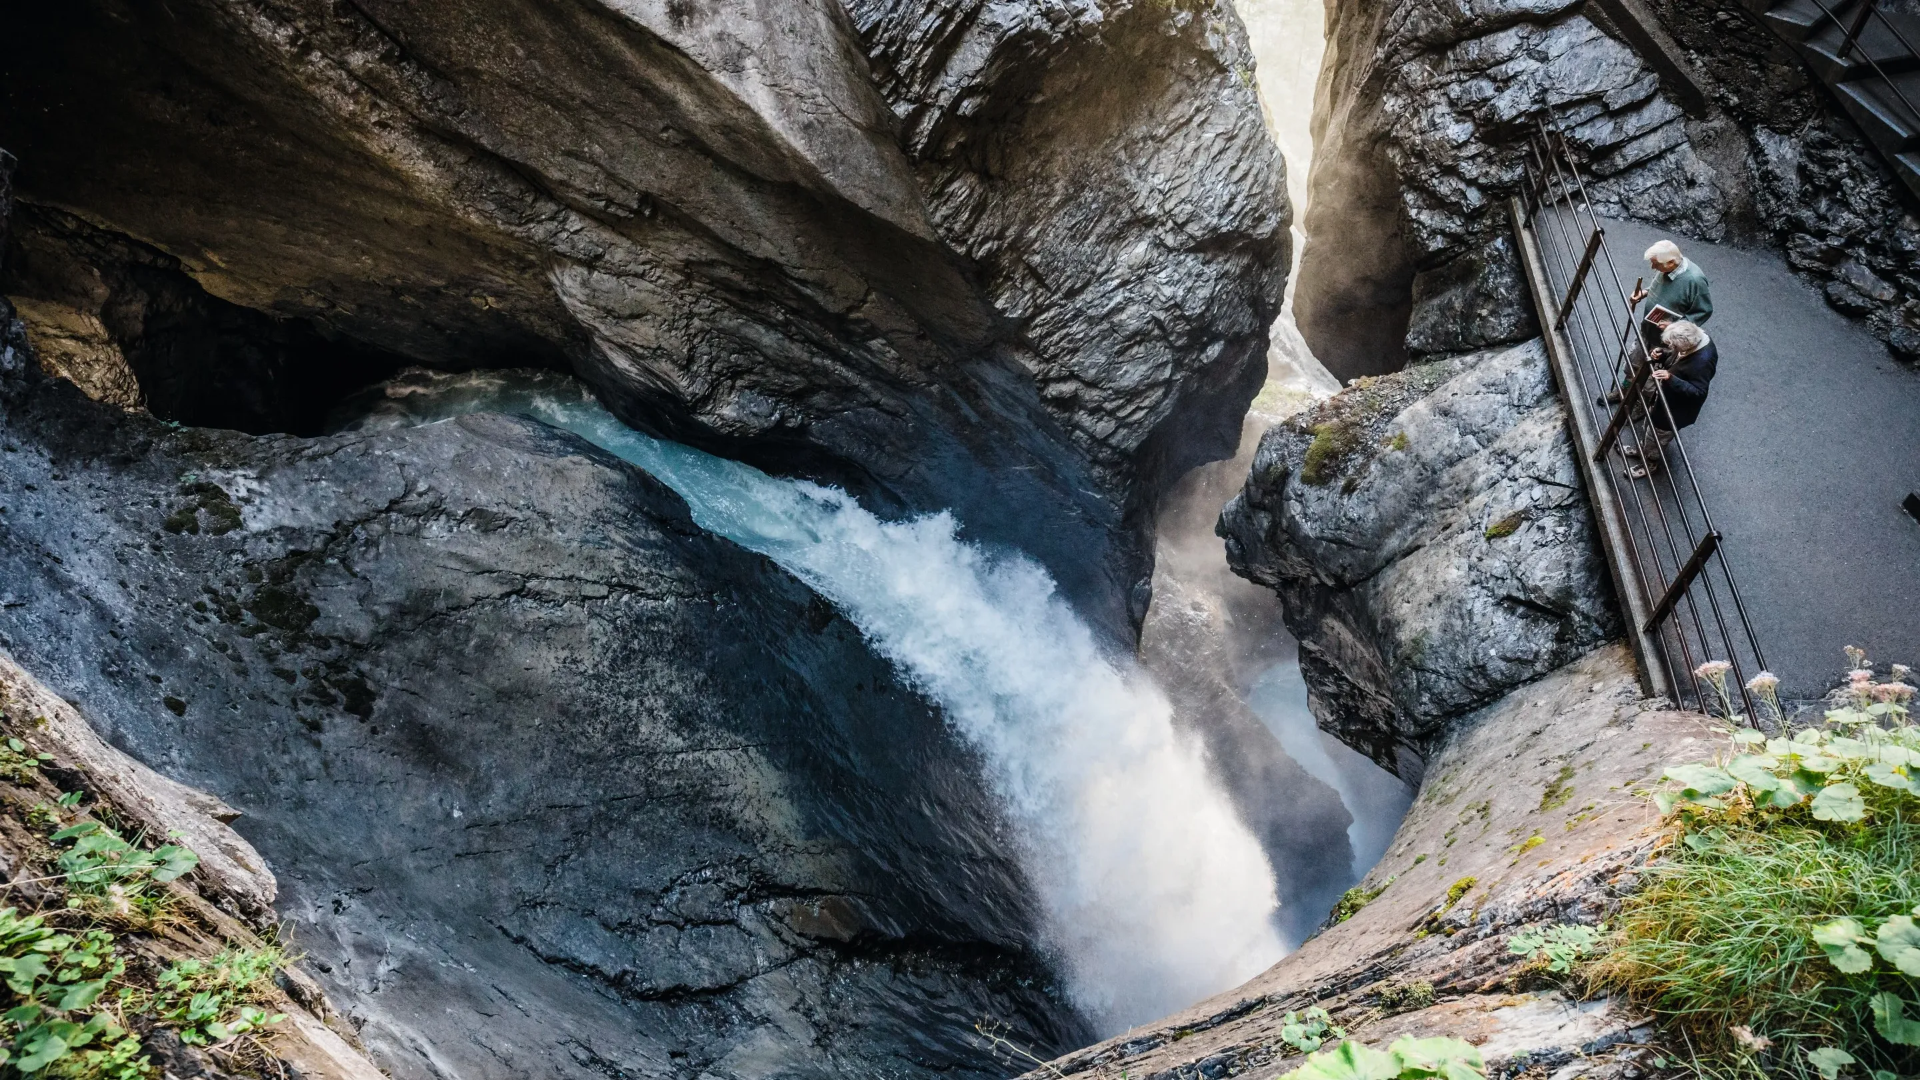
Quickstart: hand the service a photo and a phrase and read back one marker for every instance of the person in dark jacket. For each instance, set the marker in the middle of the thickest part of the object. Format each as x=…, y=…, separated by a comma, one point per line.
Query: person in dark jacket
x=1683, y=369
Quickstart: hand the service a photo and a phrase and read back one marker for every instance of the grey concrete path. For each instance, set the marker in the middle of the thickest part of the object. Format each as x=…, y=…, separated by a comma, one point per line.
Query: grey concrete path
x=1808, y=444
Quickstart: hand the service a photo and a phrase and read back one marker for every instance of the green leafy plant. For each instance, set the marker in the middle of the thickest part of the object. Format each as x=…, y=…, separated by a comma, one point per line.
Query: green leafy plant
x=53, y=978
x=211, y=1000
x=1787, y=910
x=1406, y=1059
x=1354, y=899
x=1305, y=1032
x=101, y=862
x=19, y=765
x=1560, y=946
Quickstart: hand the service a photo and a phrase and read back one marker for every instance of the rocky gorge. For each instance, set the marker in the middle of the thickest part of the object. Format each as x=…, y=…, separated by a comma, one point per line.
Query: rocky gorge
x=571, y=754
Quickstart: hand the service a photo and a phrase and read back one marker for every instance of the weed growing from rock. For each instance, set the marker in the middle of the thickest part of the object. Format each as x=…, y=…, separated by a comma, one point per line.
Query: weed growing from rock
x=1405, y=1059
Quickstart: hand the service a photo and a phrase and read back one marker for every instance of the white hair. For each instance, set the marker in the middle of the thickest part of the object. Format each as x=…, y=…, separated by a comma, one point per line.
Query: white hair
x=1663, y=250
x=1683, y=337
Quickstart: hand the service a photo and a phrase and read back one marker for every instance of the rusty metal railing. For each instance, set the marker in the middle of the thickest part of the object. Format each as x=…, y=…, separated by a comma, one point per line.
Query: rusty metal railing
x=1676, y=588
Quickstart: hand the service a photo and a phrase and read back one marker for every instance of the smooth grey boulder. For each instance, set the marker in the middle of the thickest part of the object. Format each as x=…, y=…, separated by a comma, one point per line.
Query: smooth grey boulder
x=1431, y=545
x=554, y=783
x=1014, y=258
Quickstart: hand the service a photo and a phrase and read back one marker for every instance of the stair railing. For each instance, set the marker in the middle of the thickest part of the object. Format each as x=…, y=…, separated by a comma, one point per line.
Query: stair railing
x=1666, y=553
x=1870, y=9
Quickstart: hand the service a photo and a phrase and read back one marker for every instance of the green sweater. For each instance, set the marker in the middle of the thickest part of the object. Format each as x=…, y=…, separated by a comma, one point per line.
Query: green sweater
x=1685, y=291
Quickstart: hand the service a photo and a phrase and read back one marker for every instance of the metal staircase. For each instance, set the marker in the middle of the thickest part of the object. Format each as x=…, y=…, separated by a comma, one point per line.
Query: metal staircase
x=1865, y=53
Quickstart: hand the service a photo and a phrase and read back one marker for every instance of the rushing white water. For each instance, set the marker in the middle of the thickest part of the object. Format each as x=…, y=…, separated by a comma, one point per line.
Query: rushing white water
x=1155, y=894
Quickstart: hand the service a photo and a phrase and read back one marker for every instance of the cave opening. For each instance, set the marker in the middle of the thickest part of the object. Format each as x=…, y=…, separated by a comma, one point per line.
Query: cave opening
x=128, y=325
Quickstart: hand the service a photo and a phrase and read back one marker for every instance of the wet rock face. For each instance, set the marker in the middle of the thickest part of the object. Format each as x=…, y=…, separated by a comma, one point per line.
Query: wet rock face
x=1428, y=537
x=1021, y=264
x=554, y=783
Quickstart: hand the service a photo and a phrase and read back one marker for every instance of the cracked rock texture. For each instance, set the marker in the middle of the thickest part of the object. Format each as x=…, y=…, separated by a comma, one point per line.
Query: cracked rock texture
x=554, y=783
x=1428, y=955
x=1430, y=544
x=1687, y=115
x=1016, y=258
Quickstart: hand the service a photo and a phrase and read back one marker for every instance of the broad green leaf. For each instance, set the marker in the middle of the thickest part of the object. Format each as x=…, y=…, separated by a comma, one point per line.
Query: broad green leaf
x=1891, y=776
x=24, y=971
x=1748, y=737
x=1755, y=771
x=175, y=861
x=1899, y=944
x=46, y=1051
x=1819, y=763
x=1664, y=801
x=1839, y=802
x=1705, y=779
x=1439, y=1056
x=81, y=995
x=1829, y=1060
x=1348, y=1061
x=1787, y=794
x=1888, y=1021
x=1840, y=939
x=82, y=828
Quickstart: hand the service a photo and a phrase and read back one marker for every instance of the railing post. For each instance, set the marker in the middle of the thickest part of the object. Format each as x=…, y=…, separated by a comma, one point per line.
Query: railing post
x=1628, y=398
x=1682, y=580
x=1859, y=24
x=1579, y=278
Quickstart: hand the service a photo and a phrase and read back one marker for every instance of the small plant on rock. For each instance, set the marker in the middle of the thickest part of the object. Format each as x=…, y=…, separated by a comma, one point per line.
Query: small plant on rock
x=1560, y=946
x=56, y=979
x=1406, y=1059
x=1305, y=1032
x=209, y=1001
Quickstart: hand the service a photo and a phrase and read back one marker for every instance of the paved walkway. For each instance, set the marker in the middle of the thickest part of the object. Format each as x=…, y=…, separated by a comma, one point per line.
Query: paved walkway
x=1807, y=446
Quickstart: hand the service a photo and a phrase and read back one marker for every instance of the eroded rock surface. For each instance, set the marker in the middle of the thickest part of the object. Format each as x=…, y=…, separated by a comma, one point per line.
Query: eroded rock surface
x=1560, y=838
x=1687, y=115
x=1430, y=542
x=1019, y=264
x=554, y=783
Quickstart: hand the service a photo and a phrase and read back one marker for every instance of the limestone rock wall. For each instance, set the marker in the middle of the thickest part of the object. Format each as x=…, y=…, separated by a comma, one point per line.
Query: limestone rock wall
x=1428, y=537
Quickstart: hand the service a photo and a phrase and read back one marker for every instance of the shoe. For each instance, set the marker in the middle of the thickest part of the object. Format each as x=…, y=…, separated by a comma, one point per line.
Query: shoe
x=1630, y=450
x=1615, y=397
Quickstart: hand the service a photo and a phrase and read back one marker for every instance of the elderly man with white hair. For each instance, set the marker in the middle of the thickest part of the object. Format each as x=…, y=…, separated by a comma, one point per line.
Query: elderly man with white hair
x=1678, y=285
x=1683, y=366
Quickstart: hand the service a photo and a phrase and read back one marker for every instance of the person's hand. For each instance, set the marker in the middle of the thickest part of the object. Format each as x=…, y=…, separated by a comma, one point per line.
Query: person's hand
x=1662, y=374
x=1638, y=295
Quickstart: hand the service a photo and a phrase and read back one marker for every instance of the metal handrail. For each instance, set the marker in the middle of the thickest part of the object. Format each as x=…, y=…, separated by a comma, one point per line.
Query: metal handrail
x=1672, y=547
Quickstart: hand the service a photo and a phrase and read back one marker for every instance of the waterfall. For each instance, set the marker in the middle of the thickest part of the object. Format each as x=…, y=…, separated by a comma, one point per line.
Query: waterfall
x=1154, y=893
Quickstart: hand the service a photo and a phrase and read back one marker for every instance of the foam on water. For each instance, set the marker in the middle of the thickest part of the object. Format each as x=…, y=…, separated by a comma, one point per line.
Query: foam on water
x=1155, y=894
